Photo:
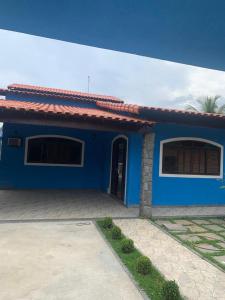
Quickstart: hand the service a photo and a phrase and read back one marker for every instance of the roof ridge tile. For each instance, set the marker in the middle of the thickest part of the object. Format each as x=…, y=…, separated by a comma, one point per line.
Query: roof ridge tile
x=55, y=91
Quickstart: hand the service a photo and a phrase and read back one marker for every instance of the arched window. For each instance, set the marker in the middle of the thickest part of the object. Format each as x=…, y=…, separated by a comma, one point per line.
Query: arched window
x=54, y=150
x=191, y=157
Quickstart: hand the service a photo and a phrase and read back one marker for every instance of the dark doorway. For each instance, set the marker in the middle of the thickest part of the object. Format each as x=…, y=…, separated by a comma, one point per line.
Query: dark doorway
x=118, y=172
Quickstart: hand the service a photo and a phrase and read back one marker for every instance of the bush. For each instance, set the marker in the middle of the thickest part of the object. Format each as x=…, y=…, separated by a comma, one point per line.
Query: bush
x=143, y=265
x=116, y=233
x=127, y=245
x=107, y=223
x=170, y=291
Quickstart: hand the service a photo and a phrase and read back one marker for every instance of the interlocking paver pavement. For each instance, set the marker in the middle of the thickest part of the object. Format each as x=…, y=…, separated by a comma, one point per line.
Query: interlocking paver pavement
x=60, y=204
x=198, y=279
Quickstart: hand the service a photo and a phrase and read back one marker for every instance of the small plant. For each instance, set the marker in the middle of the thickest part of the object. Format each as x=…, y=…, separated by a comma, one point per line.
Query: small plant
x=127, y=245
x=116, y=233
x=107, y=223
x=143, y=265
x=170, y=291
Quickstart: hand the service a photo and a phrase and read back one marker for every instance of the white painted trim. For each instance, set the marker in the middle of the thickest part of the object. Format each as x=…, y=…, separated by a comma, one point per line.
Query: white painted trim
x=110, y=176
x=189, y=175
x=53, y=165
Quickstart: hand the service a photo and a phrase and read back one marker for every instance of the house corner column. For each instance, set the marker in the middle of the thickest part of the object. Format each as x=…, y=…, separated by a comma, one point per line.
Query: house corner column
x=146, y=176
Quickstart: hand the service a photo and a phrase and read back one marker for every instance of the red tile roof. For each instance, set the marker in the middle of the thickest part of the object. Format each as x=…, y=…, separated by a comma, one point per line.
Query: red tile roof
x=181, y=112
x=87, y=113
x=137, y=109
x=130, y=108
x=61, y=93
x=115, y=107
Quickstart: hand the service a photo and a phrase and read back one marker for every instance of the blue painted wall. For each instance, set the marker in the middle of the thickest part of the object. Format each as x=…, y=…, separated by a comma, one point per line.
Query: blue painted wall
x=134, y=168
x=95, y=174
x=14, y=174
x=96, y=171
x=186, y=191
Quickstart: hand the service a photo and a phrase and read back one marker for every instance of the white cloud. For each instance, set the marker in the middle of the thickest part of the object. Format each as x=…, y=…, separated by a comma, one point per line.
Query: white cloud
x=40, y=61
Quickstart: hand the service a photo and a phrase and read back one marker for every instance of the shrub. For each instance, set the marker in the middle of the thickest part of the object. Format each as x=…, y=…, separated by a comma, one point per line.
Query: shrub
x=127, y=245
x=170, y=291
x=143, y=265
x=116, y=233
x=107, y=223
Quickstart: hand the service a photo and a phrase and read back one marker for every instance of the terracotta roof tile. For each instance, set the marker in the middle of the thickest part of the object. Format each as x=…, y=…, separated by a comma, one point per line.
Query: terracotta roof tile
x=181, y=112
x=106, y=103
x=137, y=109
x=119, y=107
x=89, y=113
x=61, y=92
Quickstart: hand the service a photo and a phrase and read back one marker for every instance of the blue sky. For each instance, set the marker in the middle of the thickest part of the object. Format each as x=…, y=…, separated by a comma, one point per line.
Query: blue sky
x=34, y=60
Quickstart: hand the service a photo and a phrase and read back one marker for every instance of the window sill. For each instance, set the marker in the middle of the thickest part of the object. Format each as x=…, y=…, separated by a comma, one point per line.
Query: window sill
x=192, y=176
x=53, y=165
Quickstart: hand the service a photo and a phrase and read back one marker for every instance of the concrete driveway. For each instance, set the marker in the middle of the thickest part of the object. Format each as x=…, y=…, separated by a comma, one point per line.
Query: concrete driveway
x=60, y=261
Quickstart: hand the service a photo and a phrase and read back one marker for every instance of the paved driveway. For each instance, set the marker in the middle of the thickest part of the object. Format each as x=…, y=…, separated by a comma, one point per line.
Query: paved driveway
x=60, y=261
x=60, y=204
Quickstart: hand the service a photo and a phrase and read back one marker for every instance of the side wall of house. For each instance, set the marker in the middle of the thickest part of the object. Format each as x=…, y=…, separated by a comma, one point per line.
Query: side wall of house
x=186, y=191
x=95, y=173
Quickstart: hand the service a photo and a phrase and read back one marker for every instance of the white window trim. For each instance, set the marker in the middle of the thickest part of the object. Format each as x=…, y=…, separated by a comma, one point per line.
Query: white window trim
x=53, y=165
x=110, y=177
x=161, y=174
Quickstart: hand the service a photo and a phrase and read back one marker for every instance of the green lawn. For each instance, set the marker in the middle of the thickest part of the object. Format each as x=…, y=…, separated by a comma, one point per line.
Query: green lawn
x=152, y=283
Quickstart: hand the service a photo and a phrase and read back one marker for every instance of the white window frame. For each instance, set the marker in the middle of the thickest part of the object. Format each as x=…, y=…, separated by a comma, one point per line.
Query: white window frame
x=161, y=174
x=53, y=165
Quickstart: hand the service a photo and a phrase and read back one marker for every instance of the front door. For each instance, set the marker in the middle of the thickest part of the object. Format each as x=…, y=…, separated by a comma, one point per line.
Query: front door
x=118, y=172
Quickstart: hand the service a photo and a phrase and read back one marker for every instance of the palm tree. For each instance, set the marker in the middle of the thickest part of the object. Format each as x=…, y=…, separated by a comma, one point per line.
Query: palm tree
x=208, y=105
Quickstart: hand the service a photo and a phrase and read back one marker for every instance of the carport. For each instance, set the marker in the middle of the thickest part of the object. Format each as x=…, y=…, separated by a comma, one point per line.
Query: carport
x=56, y=139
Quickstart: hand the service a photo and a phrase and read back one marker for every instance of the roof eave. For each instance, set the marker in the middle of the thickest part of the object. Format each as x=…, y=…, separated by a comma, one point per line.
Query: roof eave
x=71, y=121
x=185, y=118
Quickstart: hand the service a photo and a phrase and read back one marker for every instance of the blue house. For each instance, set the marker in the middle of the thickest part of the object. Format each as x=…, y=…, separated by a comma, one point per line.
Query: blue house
x=145, y=156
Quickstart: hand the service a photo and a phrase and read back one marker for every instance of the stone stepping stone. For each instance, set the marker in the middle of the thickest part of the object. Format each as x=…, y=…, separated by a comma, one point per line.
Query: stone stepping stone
x=183, y=222
x=211, y=236
x=214, y=227
x=220, y=259
x=196, y=228
x=201, y=221
x=163, y=222
x=190, y=238
x=218, y=221
x=221, y=244
x=175, y=227
x=206, y=248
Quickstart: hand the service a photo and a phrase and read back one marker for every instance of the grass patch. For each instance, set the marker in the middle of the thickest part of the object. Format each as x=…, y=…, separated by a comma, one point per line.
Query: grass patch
x=152, y=283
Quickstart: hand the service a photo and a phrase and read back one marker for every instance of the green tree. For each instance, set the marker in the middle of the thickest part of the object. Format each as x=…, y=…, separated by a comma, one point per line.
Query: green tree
x=208, y=105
